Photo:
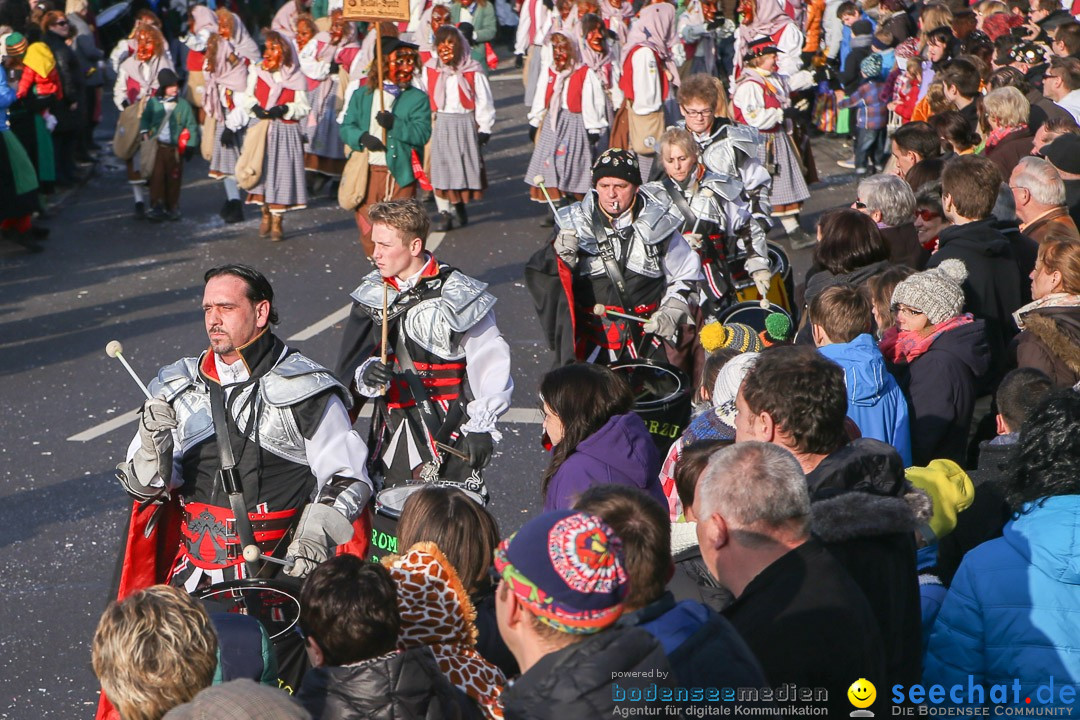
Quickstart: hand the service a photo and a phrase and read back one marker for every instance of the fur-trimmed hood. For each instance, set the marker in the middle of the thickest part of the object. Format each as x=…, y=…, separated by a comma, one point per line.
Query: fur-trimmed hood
x=1059, y=330
x=859, y=514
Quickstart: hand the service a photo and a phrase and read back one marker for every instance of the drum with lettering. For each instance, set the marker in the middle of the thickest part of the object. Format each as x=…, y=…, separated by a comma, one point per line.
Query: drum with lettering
x=114, y=23
x=384, y=522
x=662, y=397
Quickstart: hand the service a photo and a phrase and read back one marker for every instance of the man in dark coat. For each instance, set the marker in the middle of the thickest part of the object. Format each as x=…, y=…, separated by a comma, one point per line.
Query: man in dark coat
x=1064, y=154
x=798, y=609
x=969, y=187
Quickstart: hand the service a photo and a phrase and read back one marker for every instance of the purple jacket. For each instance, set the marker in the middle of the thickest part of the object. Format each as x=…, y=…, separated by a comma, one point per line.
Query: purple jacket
x=621, y=452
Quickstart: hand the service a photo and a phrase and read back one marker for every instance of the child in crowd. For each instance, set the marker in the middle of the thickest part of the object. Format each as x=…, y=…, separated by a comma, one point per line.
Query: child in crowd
x=171, y=120
x=872, y=121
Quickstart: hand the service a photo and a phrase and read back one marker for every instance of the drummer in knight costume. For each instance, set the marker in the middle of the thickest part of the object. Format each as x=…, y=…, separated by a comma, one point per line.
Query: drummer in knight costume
x=620, y=247
x=447, y=380
x=716, y=220
x=301, y=466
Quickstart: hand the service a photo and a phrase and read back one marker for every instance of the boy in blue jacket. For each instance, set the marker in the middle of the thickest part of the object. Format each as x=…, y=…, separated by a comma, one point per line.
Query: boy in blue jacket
x=840, y=317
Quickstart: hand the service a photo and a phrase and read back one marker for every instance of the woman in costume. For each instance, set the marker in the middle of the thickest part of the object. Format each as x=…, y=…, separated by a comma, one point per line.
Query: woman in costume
x=226, y=76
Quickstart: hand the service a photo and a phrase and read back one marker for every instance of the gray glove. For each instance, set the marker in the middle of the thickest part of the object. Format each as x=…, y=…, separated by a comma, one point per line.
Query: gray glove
x=693, y=240
x=566, y=247
x=763, y=280
x=664, y=323
x=154, y=457
x=321, y=528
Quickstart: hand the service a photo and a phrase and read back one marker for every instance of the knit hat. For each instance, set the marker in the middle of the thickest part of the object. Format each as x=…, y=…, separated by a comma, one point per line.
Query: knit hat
x=871, y=66
x=242, y=699
x=777, y=330
x=727, y=385
x=936, y=292
x=951, y=492
x=616, y=163
x=166, y=78
x=737, y=336
x=567, y=568
x=15, y=44
x=1064, y=153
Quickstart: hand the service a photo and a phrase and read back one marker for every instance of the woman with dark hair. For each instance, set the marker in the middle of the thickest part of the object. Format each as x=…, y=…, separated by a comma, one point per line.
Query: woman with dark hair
x=957, y=135
x=1018, y=594
x=850, y=249
x=596, y=438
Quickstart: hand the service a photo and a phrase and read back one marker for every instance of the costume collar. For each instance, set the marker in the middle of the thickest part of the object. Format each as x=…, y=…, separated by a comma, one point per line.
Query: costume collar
x=429, y=270
x=258, y=356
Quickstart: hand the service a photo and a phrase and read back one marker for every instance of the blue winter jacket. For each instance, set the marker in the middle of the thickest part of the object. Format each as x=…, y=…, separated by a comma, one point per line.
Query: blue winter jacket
x=1013, y=610
x=875, y=402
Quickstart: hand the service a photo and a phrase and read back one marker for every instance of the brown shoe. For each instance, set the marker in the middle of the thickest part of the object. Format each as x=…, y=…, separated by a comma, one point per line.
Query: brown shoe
x=264, y=226
x=276, y=234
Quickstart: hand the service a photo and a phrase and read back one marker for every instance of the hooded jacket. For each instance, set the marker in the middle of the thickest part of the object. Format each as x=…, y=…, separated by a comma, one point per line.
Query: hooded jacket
x=875, y=402
x=941, y=386
x=398, y=685
x=692, y=579
x=1051, y=342
x=865, y=513
x=579, y=681
x=992, y=288
x=622, y=452
x=1011, y=610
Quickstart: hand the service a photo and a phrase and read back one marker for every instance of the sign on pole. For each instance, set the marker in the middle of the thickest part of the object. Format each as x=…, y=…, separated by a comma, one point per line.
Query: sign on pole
x=376, y=10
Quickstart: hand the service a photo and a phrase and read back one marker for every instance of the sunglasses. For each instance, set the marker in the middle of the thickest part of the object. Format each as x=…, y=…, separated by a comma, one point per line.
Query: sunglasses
x=927, y=215
x=60, y=23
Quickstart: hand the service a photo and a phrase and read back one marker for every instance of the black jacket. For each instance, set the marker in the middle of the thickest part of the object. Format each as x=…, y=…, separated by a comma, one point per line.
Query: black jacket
x=702, y=646
x=941, y=386
x=904, y=246
x=866, y=513
x=1072, y=199
x=400, y=685
x=992, y=289
x=808, y=623
x=693, y=581
x=578, y=681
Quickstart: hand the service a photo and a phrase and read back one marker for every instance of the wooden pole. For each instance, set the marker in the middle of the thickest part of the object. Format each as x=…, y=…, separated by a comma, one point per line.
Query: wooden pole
x=385, y=326
x=378, y=59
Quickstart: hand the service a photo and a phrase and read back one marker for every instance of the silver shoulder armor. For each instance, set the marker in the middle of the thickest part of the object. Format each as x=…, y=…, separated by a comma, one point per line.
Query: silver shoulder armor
x=745, y=138
x=465, y=301
x=656, y=221
x=297, y=378
x=369, y=293
x=577, y=218
x=173, y=379
x=725, y=187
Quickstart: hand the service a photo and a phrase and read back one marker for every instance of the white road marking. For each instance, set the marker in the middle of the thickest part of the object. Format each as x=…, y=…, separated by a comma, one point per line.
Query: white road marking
x=106, y=427
x=508, y=76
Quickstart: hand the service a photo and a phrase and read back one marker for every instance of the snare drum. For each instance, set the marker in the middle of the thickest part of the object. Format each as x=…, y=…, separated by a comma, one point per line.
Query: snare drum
x=781, y=289
x=384, y=523
x=662, y=397
x=751, y=313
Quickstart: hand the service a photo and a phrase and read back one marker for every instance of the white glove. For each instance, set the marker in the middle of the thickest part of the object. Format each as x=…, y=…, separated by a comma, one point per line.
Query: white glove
x=321, y=528
x=693, y=240
x=802, y=105
x=154, y=457
x=762, y=280
x=664, y=323
x=566, y=247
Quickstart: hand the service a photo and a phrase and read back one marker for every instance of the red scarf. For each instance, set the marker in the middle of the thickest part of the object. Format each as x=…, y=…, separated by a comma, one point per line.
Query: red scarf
x=902, y=348
x=1001, y=133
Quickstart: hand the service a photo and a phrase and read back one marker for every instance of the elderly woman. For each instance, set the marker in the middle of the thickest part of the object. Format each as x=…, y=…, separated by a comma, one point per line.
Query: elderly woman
x=1010, y=139
x=889, y=201
x=1050, y=324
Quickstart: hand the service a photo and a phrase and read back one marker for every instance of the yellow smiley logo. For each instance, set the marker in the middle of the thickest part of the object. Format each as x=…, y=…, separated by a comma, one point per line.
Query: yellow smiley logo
x=862, y=693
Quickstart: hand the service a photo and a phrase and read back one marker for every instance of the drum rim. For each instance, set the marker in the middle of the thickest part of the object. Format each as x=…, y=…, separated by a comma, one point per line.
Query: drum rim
x=475, y=497
x=127, y=6
x=682, y=378
x=288, y=588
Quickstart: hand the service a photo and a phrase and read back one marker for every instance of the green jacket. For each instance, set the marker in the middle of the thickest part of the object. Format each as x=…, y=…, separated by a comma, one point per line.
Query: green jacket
x=412, y=129
x=182, y=118
x=484, y=27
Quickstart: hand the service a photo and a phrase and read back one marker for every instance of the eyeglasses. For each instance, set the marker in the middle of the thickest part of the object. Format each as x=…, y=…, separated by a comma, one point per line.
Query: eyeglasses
x=697, y=113
x=1048, y=76
x=927, y=215
x=859, y=205
x=898, y=309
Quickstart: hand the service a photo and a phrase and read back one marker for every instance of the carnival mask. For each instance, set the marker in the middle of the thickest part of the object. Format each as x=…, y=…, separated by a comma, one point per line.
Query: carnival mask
x=617, y=4
x=708, y=10
x=402, y=66
x=565, y=8
x=273, y=56
x=586, y=7
x=447, y=50
x=746, y=9
x=225, y=27
x=595, y=39
x=440, y=15
x=560, y=52
x=337, y=27
x=304, y=33
x=144, y=50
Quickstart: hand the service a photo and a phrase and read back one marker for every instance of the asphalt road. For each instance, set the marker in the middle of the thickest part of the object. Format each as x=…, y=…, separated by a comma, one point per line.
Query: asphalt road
x=68, y=408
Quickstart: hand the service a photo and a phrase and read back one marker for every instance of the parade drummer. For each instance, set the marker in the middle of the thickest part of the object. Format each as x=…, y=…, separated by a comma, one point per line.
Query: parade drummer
x=446, y=379
x=622, y=249
x=716, y=218
x=301, y=465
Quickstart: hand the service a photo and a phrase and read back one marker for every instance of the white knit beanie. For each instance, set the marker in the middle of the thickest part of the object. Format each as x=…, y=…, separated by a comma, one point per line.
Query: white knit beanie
x=937, y=292
x=727, y=385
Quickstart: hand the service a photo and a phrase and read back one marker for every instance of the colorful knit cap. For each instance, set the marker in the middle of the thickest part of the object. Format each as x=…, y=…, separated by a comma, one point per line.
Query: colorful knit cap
x=566, y=567
x=15, y=44
x=736, y=336
x=777, y=330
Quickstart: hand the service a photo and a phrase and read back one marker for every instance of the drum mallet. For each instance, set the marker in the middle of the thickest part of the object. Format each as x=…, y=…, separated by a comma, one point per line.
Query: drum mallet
x=539, y=181
x=707, y=194
x=600, y=311
x=253, y=554
x=115, y=350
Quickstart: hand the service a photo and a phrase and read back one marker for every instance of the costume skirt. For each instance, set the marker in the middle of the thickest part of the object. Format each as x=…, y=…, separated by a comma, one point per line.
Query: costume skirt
x=533, y=66
x=788, y=185
x=563, y=157
x=456, y=163
x=18, y=179
x=223, y=159
x=283, y=169
x=321, y=125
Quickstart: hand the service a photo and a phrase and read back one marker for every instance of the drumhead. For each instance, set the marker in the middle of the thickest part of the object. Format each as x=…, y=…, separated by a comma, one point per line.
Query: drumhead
x=653, y=384
x=778, y=260
x=391, y=501
x=111, y=13
x=274, y=603
x=750, y=313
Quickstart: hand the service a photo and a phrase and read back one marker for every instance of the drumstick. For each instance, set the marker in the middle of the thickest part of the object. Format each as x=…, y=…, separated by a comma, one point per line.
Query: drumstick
x=600, y=311
x=252, y=553
x=385, y=327
x=539, y=180
x=707, y=194
x=115, y=350
x=451, y=450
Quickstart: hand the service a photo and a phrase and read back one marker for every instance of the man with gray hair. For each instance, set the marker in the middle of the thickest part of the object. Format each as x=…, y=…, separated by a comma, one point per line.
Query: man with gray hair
x=806, y=620
x=890, y=201
x=1039, y=193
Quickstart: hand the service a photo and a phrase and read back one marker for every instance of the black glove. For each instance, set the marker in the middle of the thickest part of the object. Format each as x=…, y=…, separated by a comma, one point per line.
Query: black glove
x=549, y=4
x=484, y=137
x=372, y=143
x=594, y=137
x=480, y=447
x=532, y=134
x=468, y=31
x=124, y=104
x=228, y=138
x=519, y=61
x=376, y=374
x=791, y=112
x=334, y=68
x=716, y=22
x=385, y=118
x=189, y=153
x=277, y=112
x=260, y=113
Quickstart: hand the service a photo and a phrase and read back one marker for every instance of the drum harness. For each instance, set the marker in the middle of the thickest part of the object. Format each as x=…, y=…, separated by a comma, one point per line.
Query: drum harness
x=689, y=217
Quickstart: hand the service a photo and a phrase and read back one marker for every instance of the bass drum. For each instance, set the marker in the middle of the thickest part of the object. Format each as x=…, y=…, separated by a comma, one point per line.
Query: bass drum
x=662, y=397
x=751, y=313
x=114, y=23
x=276, y=604
x=384, y=522
x=782, y=287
